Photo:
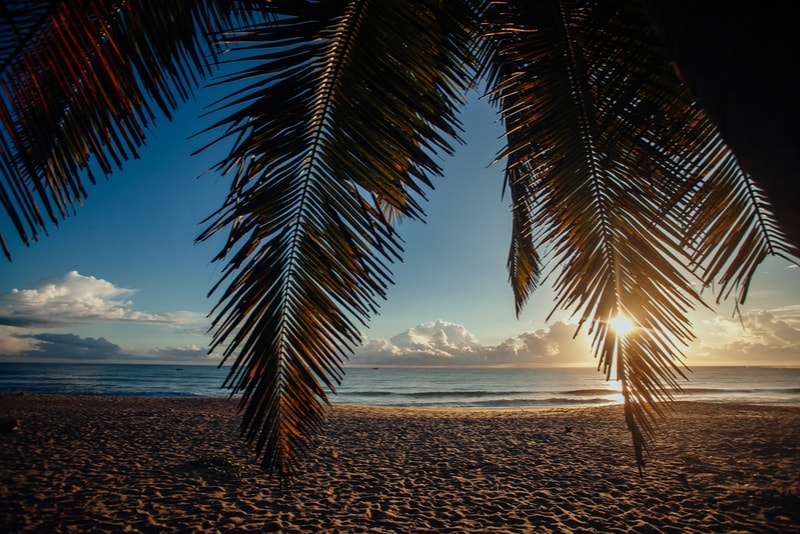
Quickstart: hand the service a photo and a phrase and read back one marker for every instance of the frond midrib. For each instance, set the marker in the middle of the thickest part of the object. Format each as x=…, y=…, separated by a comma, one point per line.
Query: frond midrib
x=327, y=91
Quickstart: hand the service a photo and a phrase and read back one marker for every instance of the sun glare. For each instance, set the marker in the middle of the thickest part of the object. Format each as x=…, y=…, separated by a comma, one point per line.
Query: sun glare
x=621, y=325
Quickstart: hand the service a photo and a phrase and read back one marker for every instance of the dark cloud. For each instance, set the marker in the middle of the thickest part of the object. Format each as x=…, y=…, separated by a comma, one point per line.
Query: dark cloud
x=73, y=347
x=21, y=321
x=58, y=347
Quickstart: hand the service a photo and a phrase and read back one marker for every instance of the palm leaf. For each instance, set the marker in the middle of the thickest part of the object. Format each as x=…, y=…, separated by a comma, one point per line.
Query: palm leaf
x=607, y=151
x=730, y=227
x=622, y=190
x=81, y=82
x=341, y=107
x=729, y=55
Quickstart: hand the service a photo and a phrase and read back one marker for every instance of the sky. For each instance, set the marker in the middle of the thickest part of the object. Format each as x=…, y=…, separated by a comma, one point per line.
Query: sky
x=123, y=281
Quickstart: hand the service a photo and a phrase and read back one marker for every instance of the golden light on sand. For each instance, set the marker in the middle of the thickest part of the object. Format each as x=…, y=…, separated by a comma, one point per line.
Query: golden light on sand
x=622, y=325
x=554, y=448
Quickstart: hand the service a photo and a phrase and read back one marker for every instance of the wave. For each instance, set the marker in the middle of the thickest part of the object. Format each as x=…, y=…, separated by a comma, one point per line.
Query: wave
x=368, y=393
x=549, y=402
x=409, y=387
x=475, y=393
x=598, y=391
x=746, y=391
x=434, y=393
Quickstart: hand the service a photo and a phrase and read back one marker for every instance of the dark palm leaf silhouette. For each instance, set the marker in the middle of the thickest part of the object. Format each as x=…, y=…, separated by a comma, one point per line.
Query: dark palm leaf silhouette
x=623, y=191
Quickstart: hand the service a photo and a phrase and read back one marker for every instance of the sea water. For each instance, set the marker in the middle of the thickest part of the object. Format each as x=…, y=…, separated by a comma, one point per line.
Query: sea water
x=411, y=387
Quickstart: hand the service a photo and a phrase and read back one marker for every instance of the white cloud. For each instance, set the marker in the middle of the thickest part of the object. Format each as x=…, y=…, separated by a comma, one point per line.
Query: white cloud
x=440, y=343
x=436, y=337
x=757, y=337
x=33, y=320
x=73, y=299
x=36, y=322
x=68, y=298
x=556, y=345
x=13, y=343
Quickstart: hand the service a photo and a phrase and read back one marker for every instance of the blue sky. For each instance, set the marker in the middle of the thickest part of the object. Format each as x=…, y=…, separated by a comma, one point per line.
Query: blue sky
x=122, y=280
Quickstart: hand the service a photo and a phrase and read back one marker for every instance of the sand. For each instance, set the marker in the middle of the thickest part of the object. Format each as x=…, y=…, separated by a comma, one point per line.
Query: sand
x=111, y=464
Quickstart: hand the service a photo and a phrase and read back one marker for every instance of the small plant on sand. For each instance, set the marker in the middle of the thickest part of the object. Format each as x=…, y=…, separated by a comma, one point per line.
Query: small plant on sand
x=690, y=458
x=224, y=465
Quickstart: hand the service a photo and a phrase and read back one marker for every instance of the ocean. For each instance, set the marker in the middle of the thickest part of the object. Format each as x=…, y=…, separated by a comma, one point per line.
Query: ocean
x=411, y=387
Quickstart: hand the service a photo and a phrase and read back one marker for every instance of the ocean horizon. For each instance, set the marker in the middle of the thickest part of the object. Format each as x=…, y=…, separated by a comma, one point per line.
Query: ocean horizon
x=410, y=387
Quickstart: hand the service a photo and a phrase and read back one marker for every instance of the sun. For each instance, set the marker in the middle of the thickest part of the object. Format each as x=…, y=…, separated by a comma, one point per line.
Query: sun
x=621, y=325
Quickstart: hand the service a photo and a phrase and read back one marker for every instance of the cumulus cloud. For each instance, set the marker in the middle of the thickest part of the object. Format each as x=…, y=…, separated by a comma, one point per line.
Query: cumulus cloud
x=33, y=321
x=440, y=343
x=12, y=342
x=757, y=337
x=72, y=299
x=72, y=347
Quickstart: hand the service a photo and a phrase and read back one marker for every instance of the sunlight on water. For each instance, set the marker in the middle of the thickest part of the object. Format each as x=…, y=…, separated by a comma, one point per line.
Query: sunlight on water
x=412, y=387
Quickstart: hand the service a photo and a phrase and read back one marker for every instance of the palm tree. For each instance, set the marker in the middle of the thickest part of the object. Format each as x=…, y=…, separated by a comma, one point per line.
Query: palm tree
x=624, y=192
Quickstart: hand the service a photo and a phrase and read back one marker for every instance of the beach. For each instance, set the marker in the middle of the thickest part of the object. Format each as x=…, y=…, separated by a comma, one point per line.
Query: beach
x=125, y=464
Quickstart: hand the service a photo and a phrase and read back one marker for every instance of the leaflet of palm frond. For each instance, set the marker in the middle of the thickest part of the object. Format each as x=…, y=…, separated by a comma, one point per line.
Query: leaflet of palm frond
x=604, y=114
x=729, y=53
x=333, y=125
x=80, y=84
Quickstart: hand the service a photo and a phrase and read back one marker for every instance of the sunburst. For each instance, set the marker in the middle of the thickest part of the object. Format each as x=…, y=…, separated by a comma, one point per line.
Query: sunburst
x=622, y=325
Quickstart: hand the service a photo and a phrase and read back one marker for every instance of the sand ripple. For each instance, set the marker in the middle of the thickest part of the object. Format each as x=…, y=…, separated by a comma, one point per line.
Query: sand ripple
x=89, y=464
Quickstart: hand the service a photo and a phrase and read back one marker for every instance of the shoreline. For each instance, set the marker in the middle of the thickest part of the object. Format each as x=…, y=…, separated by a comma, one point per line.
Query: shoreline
x=107, y=464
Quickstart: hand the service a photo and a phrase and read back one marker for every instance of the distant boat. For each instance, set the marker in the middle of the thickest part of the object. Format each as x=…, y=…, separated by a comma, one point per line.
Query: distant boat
x=179, y=368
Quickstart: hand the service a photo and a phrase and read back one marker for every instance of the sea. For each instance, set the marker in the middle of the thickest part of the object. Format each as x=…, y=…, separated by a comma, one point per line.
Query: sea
x=411, y=387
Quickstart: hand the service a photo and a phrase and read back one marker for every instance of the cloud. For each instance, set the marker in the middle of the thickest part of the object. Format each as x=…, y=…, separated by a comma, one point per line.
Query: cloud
x=11, y=342
x=757, y=337
x=72, y=347
x=191, y=353
x=64, y=300
x=33, y=320
x=35, y=323
x=556, y=345
x=73, y=299
x=438, y=337
x=440, y=343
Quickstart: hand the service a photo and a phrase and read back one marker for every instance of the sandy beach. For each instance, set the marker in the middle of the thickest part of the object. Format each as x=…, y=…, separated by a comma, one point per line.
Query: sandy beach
x=114, y=464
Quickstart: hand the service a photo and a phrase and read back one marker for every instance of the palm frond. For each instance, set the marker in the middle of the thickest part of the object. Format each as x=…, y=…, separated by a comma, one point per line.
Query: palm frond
x=622, y=189
x=730, y=228
x=80, y=82
x=597, y=123
x=334, y=131
x=729, y=55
